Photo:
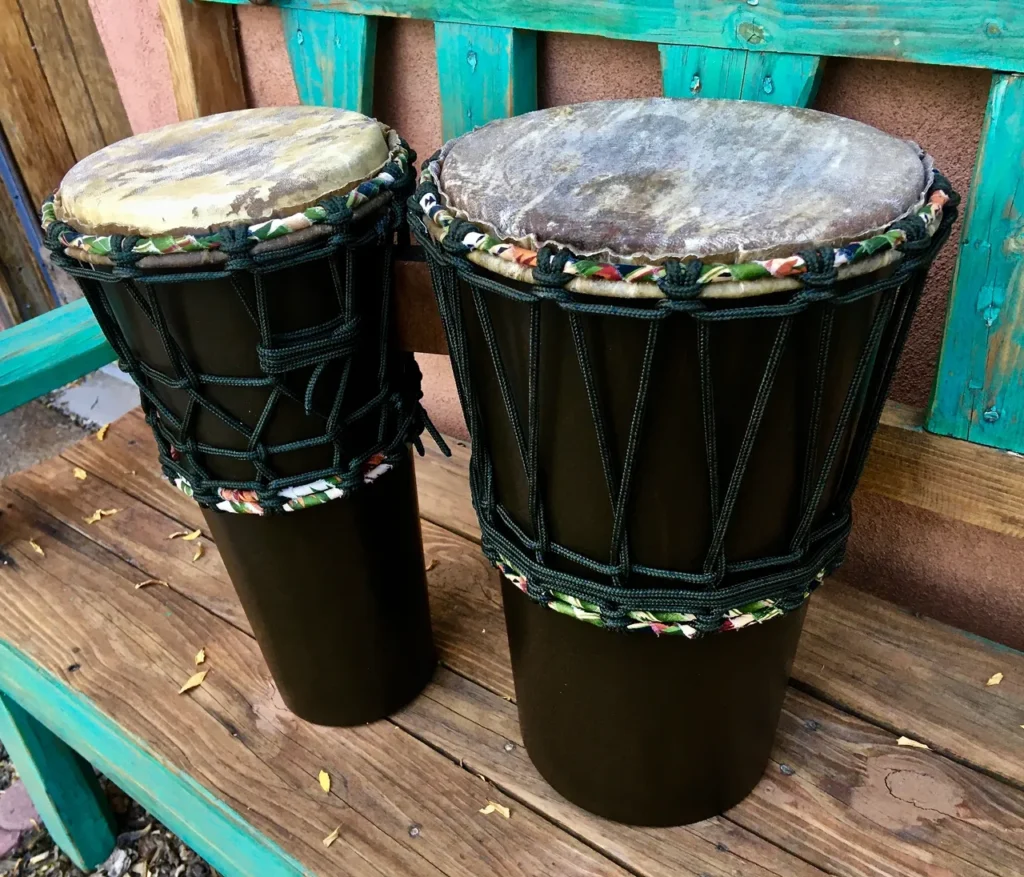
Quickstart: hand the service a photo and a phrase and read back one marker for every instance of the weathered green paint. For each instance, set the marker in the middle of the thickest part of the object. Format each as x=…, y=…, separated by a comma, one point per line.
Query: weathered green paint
x=208, y=825
x=62, y=786
x=695, y=71
x=979, y=389
x=967, y=33
x=332, y=55
x=48, y=351
x=484, y=73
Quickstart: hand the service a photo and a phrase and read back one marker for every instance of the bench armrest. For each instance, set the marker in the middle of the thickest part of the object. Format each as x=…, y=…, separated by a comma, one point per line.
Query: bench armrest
x=48, y=351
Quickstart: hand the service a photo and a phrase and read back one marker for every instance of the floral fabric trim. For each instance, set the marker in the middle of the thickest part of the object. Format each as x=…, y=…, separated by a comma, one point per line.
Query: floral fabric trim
x=658, y=623
x=790, y=266
x=164, y=245
x=303, y=496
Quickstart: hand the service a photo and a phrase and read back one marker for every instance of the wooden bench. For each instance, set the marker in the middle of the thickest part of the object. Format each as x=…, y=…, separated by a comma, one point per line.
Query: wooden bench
x=88, y=659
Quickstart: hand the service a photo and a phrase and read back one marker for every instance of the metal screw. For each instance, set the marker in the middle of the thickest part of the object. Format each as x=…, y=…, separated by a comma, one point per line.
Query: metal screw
x=414, y=831
x=991, y=415
x=510, y=747
x=768, y=85
x=786, y=770
x=695, y=84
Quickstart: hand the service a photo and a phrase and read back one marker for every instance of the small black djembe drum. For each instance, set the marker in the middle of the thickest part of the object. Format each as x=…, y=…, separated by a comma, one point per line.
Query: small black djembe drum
x=673, y=325
x=240, y=265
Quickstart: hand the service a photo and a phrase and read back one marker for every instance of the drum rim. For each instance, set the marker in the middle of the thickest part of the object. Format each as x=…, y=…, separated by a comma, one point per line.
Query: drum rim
x=651, y=279
x=196, y=250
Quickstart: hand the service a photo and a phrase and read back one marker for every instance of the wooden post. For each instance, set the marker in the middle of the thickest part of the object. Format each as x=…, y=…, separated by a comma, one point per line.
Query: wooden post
x=979, y=388
x=485, y=73
x=62, y=786
x=694, y=71
x=202, y=49
x=332, y=55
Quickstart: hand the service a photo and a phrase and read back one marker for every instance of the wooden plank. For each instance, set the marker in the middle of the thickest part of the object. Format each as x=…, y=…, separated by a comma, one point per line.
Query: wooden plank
x=70, y=89
x=95, y=69
x=19, y=262
x=47, y=352
x=695, y=71
x=62, y=786
x=979, y=387
x=967, y=33
x=332, y=57
x=28, y=115
x=202, y=49
x=237, y=739
x=484, y=73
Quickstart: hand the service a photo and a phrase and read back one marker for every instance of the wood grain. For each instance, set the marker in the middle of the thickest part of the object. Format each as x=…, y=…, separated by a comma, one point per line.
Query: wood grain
x=202, y=49
x=967, y=33
x=26, y=291
x=978, y=391
x=28, y=114
x=234, y=731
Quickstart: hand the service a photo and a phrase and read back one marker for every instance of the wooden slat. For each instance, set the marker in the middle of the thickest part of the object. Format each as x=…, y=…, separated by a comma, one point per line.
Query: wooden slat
x=202, y=49
x=28, y=115
x=484, y=73
x=332, y=57
x=19, y=263
x=94, y=66
x=695, y=71
x=979, y=393
x=855, y=804
x=69, y=87
x=49, y=351
x=966, y=33
x=229, y=732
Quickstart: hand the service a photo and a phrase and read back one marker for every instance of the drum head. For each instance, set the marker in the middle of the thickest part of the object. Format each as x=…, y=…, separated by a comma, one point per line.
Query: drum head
x=229, y=169
x=648, y=180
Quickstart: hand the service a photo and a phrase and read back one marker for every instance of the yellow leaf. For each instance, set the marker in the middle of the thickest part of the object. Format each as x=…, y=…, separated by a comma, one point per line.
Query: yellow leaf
x=332, y=837
x=995, y=679
x=98, y=514
x=325, y=781
x=906, y=741
x=37, y=548
x=191, y=536
x=151, y=582
x=200, y=656
x=199, y=552
x=193, y=681
x=431, y=563
x=80, y=474
x=102, y=434
x=178, y=533
x=495, y=808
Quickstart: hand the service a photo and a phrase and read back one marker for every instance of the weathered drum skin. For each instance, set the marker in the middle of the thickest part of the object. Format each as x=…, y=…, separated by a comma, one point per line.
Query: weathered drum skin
x=636, y=727
x=335, y=593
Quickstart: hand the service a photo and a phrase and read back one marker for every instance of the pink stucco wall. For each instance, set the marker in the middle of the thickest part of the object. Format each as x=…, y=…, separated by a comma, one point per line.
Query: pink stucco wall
x=949, y=570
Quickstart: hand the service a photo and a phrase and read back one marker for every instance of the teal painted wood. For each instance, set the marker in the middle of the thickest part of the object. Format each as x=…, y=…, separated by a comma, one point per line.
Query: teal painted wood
x=979, y=388
x=48, y=351
x=696, y=71
x=966, y=33
x=332, y=55
x=62, y=786
x=222, y=837
x=484, y=73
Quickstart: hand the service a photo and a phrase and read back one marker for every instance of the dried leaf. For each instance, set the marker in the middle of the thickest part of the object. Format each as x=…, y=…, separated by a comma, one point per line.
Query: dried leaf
x=332, y=837
x=178, y=533
x=193, y=681
x=325, y=781
x=151, y=582
x=495, y=808
x=199, y=552
x=80, y=474
x=102, y=434
x=37, y=548
x=994, y=679
x=200, y=656
x=431, y=563
x=191, y=536
x=906, y=741
x=98, y=514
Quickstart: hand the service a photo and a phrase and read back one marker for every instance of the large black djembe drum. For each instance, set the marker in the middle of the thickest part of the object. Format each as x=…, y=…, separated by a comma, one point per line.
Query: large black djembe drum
x=673, y=325
x=240, y=265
